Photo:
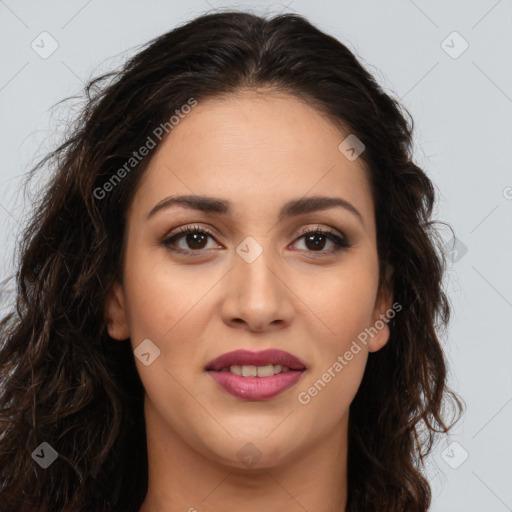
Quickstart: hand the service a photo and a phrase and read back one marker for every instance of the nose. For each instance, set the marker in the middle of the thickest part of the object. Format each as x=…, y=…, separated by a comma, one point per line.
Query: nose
x=257, y=296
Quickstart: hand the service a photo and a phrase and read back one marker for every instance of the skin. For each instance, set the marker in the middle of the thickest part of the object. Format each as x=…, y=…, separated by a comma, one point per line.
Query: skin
x=258, y=150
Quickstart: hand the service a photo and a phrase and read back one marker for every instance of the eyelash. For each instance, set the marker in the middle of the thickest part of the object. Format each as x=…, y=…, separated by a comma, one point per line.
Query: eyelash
x=340, y=242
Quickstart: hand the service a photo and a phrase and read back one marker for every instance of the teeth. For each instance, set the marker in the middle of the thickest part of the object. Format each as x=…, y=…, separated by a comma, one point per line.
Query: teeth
x=237, y=370
x=249, y=371
x=265, y=371
x=256, y=371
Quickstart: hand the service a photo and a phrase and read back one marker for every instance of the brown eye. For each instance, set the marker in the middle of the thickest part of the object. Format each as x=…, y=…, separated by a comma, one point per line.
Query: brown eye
x=192, y=238
x=315, y=240
x=196, y=240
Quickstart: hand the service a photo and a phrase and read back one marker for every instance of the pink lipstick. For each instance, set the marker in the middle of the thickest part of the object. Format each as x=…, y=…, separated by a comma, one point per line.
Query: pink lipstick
x=256, y=376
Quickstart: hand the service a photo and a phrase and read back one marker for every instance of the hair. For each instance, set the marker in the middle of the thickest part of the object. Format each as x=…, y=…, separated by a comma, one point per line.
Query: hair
x=66, y=382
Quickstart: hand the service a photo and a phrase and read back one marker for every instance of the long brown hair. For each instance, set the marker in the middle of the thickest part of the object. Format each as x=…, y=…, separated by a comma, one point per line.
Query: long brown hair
x=67, y=383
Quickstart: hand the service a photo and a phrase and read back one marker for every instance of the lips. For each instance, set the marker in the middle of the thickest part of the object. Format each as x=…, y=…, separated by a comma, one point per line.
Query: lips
x=262, y=358
x=256, y=376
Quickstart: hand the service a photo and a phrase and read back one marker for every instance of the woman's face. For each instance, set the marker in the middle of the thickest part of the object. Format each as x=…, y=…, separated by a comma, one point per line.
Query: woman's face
x=253, y=282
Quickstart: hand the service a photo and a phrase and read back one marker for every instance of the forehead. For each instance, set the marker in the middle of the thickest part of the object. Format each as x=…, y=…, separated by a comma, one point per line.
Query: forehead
x=258, y=151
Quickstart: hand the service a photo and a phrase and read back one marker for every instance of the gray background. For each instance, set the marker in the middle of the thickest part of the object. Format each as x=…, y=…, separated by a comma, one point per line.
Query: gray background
x=462, y=110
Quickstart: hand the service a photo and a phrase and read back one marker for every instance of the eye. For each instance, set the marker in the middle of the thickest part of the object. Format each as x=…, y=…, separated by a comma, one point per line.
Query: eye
x=194, y=237
x=195, y=240
x=316, y=239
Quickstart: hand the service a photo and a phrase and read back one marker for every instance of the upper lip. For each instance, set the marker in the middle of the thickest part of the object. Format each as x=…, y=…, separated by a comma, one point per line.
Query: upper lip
x=261, y=358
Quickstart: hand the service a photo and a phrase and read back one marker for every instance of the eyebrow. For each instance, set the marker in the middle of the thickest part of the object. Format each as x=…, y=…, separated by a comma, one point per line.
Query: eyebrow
x=292, y=208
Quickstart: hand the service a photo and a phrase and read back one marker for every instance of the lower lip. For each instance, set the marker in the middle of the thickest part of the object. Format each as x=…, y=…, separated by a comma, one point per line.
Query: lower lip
x=256, y=388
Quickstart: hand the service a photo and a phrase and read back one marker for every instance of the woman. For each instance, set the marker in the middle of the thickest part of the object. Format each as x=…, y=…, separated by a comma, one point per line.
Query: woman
x=230, y=294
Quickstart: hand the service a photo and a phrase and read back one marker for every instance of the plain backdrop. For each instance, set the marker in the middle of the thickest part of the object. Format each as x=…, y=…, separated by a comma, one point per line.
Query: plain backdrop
x=449, y=62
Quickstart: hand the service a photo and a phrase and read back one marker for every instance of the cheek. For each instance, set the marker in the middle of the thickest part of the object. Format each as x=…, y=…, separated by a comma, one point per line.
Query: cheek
x=164, y=305
x=170, y=305
x=327, y=394
x=341, y=302
x=162, y=297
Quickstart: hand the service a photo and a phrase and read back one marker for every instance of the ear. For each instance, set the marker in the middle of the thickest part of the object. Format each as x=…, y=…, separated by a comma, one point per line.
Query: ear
x=115, y=313
x=381, y=316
